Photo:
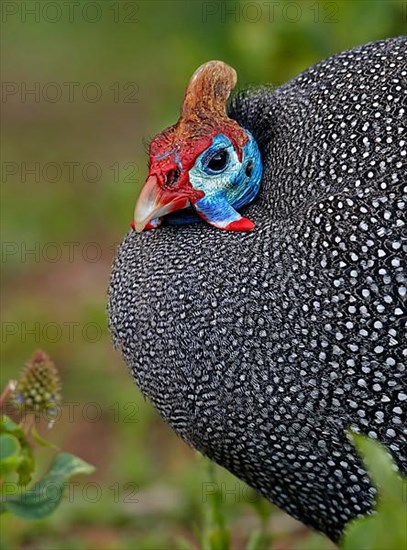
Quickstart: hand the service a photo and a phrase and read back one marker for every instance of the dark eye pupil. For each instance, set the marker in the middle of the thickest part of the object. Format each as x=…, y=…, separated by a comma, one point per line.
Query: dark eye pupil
x=218, y=161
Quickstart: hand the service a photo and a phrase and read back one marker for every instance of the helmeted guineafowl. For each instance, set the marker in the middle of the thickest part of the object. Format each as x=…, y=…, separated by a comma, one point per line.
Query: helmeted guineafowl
x=261, y=310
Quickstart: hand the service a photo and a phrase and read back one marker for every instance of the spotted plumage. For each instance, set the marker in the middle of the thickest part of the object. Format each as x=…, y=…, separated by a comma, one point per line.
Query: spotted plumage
x=261, y=348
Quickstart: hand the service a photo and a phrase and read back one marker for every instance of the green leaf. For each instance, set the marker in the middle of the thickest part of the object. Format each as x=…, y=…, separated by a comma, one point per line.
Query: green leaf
x=381, y=467
x=24, y=463
x=10, y=449
x=387, y=528
x=9, y=426
x=44, y=497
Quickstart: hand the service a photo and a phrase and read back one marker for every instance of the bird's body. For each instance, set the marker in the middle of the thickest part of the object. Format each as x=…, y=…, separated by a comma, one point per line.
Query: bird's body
x=261, y=348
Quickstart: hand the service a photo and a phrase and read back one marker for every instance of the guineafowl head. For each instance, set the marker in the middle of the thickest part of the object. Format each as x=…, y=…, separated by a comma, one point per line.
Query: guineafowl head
x=206, y=166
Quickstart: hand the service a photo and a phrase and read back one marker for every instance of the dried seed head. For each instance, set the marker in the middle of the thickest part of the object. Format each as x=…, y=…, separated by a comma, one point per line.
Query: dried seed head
x=39, y=386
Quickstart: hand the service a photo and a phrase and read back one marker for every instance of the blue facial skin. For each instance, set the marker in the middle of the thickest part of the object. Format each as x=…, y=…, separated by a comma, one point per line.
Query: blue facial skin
x=228, y=184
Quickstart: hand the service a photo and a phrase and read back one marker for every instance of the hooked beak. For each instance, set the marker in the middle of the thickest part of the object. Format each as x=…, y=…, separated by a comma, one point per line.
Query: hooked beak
x=155, y=202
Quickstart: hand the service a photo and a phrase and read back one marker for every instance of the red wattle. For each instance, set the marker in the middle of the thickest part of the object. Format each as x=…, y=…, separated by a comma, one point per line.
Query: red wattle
x=244, y=224
x=150, y=226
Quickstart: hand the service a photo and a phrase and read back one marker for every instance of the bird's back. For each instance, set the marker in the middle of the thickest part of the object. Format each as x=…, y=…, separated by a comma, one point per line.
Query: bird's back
x=261, y=348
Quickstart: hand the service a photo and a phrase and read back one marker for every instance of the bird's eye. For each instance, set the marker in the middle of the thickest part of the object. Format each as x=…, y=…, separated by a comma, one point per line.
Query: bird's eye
x=218, y=161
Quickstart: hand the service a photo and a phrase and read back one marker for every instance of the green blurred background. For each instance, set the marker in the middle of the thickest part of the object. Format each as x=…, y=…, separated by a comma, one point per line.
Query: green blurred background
x=105, y=77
